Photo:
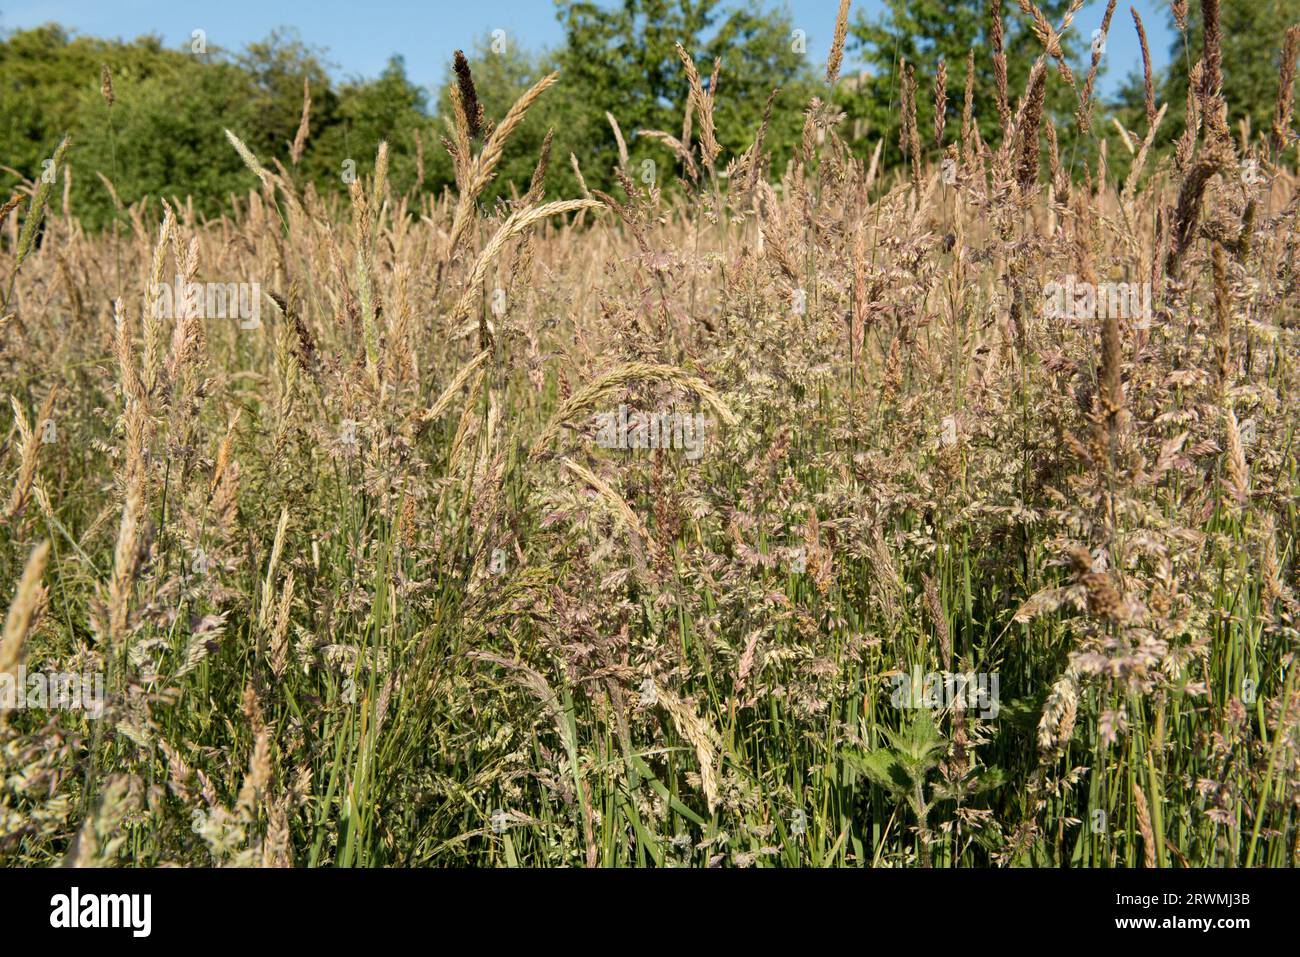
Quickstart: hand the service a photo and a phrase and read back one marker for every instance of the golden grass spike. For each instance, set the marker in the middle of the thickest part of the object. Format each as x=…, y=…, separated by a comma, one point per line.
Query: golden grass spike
x=453, y=389
x=836, y=57
x=36, y=209
x=703, y=104
x=265, y=175
x=702, y=737
x=481, y=171
x=27, y=599
x=611, y=383
x=615, y=501
x=267, y=606
x=299, y=144
x=512, y=227
x=1282, y=133
x=618, y=138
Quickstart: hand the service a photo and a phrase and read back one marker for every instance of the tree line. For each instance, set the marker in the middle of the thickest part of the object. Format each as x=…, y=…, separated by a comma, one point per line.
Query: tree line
x=147, y=120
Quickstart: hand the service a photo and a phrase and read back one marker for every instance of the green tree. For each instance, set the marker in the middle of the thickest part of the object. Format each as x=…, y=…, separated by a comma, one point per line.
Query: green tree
x=759, y=55
x=163, y=136
x=50, y=87
x=274, y=71
x=624, y=60
x=389, y=108
x=924, y=31
x=1251, y=41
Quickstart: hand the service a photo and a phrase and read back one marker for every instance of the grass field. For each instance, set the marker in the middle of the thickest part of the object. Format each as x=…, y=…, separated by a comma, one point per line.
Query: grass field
x=379, y=567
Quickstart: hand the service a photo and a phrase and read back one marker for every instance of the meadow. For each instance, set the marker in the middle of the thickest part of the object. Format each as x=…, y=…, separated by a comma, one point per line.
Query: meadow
x=939, y=515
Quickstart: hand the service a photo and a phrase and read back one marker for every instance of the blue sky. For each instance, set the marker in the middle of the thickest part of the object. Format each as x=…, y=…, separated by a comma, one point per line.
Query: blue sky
x=360, y=35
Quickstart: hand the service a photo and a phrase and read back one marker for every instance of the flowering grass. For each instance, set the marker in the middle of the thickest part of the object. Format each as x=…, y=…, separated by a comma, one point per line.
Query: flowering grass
x=369, y=589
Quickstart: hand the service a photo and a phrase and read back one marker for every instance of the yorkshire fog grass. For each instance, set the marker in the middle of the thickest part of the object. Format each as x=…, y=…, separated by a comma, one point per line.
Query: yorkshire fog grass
x=367, y=590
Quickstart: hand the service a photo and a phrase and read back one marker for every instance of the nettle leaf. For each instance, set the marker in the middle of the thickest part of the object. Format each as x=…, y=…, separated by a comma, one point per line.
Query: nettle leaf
x=882, y=767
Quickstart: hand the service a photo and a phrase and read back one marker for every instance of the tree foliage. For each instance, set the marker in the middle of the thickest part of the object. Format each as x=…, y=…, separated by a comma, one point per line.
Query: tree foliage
x=163, y=134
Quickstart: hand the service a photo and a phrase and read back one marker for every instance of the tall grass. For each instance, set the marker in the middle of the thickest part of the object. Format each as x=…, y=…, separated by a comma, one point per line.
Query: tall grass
x=368, y=590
